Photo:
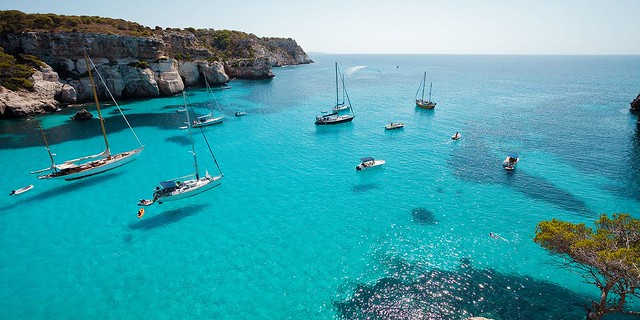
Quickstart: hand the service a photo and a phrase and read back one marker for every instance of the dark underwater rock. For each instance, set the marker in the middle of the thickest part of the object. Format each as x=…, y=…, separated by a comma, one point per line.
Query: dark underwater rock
x=423, y=216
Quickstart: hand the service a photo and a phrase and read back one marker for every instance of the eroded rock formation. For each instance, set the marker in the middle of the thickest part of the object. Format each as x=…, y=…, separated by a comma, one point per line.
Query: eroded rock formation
x=159, y=65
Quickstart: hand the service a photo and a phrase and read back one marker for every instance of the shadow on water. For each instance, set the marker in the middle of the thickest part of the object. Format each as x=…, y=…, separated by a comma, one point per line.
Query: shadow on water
x=364, y=187
x=476, y=163
x=25, y=134
x=71, y=186
x=334, y=129
x=415, y=293
x=423, y=216
x=115, y=111
x=181, y=140
x=633, y=186
x=168, y=217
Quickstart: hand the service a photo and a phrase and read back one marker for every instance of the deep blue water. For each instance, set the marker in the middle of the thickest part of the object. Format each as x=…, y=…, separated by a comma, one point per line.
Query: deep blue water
x=294, y=232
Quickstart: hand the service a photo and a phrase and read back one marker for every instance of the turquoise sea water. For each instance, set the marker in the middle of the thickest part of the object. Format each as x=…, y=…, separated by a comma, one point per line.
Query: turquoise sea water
x=294, y=232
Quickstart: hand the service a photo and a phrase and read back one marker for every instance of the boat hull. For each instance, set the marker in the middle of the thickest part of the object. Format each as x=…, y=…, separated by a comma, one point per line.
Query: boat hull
x=333, y=120
x=369, y=164
x=92, y=168
x=191, y=188
x=394, y=126
x=425, y=104
x=207, y=122
x=21, y=190
x=509, y=163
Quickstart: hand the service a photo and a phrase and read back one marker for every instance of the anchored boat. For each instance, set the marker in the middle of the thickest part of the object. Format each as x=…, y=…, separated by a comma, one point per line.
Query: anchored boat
x=77, y=169
x=187, y=186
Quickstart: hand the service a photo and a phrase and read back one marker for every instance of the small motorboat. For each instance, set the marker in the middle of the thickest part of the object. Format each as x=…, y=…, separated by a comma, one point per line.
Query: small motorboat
x=510, y=162
x=240, y=113
x=145, y=202
x=456, y=136
x=225, y=87
x=369, y=162
x=21, y=190
x=394, y=125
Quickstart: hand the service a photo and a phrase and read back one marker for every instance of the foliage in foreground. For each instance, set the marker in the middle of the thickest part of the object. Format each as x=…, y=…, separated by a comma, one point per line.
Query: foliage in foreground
x=607, y=257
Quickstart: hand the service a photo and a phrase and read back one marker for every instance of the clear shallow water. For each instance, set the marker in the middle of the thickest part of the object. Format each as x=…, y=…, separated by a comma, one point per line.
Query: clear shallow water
x=295, y=232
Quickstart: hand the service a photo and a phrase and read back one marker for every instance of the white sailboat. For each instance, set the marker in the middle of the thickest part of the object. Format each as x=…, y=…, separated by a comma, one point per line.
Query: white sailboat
x=422, y=103
x=187, y=186
x=81, y=168
x=334, y=117
x=208, y=119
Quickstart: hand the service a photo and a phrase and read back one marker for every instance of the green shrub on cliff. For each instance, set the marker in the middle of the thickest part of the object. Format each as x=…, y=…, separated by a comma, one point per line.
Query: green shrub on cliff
x=139, y=64
x=17, y=21
x=14, y=75
x=227, y=43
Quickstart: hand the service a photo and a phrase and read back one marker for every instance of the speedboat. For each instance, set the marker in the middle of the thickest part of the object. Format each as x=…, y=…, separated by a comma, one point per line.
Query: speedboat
x=240, y=113
x=207, y=120
x=369, y=162
x=456, y=136
x=510, y=162
x=396, y=125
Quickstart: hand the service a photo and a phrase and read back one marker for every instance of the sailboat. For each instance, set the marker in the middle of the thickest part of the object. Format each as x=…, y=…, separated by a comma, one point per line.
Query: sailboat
x=422, y=103
x=187, y=186
x=77, y=169
x=208, y=119
x=334, y=117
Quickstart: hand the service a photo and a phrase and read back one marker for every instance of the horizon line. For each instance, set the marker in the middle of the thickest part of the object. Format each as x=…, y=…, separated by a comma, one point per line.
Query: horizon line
x=478, y=54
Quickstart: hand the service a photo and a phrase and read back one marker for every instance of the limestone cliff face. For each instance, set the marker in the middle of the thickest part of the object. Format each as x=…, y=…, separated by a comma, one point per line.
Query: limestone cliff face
x=159, y=65
x=281, y=52
x=48, y=94
x=259, y=68
x=635, y=105
x=193, y=72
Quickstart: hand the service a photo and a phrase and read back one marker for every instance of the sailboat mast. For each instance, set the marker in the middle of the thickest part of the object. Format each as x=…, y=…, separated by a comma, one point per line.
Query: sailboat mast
x=424, y=83
x=337, y=101
x=193, y=148
x=95, y=97
x=430, y=86
x=46, y=143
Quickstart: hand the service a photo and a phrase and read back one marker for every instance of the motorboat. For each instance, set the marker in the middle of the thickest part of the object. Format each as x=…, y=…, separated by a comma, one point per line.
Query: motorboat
x=510, y=162
x=369, y=162
x=394, y=125
x=240, y=113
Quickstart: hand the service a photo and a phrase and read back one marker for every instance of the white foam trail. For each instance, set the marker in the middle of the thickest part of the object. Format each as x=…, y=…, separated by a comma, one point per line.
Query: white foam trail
x=353, y=70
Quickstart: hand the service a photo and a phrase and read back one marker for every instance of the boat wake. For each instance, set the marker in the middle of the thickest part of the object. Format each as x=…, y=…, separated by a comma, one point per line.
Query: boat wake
x=353, y=70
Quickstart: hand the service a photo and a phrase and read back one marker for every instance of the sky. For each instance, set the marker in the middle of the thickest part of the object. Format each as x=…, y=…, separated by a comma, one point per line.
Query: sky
x=391, y=26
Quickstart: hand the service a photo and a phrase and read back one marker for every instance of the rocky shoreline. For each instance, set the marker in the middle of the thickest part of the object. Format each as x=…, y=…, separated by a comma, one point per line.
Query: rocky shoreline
x=132, y=67
x=634, y=106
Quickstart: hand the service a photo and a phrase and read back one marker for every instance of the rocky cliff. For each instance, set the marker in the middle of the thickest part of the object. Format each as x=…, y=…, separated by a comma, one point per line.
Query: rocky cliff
x=635, y=105
x=148, y=63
